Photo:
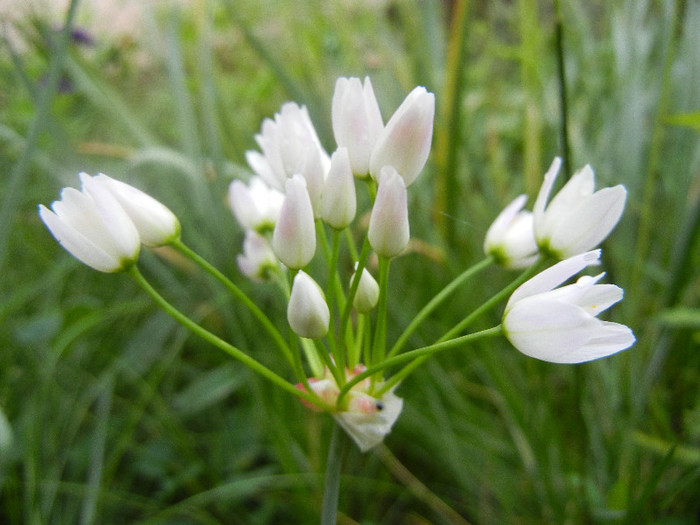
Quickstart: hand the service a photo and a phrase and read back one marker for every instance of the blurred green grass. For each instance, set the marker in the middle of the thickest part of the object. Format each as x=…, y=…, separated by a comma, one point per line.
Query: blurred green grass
x=111, y=413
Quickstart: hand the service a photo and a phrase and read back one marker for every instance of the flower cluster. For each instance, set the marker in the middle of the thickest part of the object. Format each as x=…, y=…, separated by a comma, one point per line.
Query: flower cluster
x=297, y=210
x=560, y=325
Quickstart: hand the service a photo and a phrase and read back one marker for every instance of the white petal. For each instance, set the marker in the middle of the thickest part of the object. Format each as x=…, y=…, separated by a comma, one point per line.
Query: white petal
x=609, y=338
x=588, y=222
x=579, y=187
x=554, y=276
x=548, y=329
x=543, y=195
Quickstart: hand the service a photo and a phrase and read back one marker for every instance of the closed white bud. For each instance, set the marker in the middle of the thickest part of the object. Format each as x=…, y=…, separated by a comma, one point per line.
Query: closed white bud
x=388, y=224
x=357, y=121
x=405, y=141
x=294, y=236
x=367, y=294
x=511, y=240
x=156, y=224
x=339, y=202
x=307, y=311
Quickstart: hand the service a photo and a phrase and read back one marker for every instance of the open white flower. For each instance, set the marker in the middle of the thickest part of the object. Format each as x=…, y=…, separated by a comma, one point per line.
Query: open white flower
x=577, y=219
x=560, y=325
x=256, y=206
x=257, y=261
x=290, y=146
x=93, y=227
x=510, y=239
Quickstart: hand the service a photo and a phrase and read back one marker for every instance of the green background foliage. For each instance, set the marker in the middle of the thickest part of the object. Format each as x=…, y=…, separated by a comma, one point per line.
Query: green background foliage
x=112, y=413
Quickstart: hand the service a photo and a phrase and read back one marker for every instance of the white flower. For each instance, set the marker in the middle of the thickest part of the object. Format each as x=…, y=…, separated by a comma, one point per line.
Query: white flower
x=511, y=239
x=257, y=259
x=338, y=201
x=367, y=294
x=559, y=325
x=388, y=224
x=294, y=236
x=256, y=206
x=93, y=227
x=405, y=141
x=290, y=146
x=357, y=121
x=156, y=224
x=577, y=219
x=307, y=311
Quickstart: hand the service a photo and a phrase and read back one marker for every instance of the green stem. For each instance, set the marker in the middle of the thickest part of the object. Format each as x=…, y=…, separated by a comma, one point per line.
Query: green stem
x=220, y=343
x=437, y=301
x=379, y=342
x=345, y=316
x=563, y=99
x=415, y=354
x=492, y=302
x=338, y=350
x=334, y=467
x=238, y=294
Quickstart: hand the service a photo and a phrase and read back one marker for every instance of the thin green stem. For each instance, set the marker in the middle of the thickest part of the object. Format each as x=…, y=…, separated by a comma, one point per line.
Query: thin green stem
x=492, y=302
x=220, y=343
x=238, y=294
x=437, y=301
x=345, y=316
x=563, y=98
x=379, y=342
x=337, y=350
x=334, y=467
x=418, y=353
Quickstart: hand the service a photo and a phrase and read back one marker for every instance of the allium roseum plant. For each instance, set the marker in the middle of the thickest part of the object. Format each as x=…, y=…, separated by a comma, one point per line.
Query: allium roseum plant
x=337, y=357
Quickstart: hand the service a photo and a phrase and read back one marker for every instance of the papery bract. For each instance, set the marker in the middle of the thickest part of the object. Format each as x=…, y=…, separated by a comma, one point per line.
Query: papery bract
x=339, y=202
x=256, y=206
x=156, y=224
x=307, y=311
x=389, y=230
x=511, y=239
x=93, y=227
x=560, y=325
x=405, y=141
x=357, y=121
x=577, y=219
x=294, y=236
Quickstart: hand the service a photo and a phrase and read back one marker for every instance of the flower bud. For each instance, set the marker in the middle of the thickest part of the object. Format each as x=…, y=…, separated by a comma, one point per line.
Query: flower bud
x=388, y=225
x=405, y=141
x=156, y=224
x=357, y=121
x=294, y=236
x=256, y=206
x=367, y=294
x=307, y=311
x=258, y=259
x=93, y=227
x=511, y=240
x=339, y=202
